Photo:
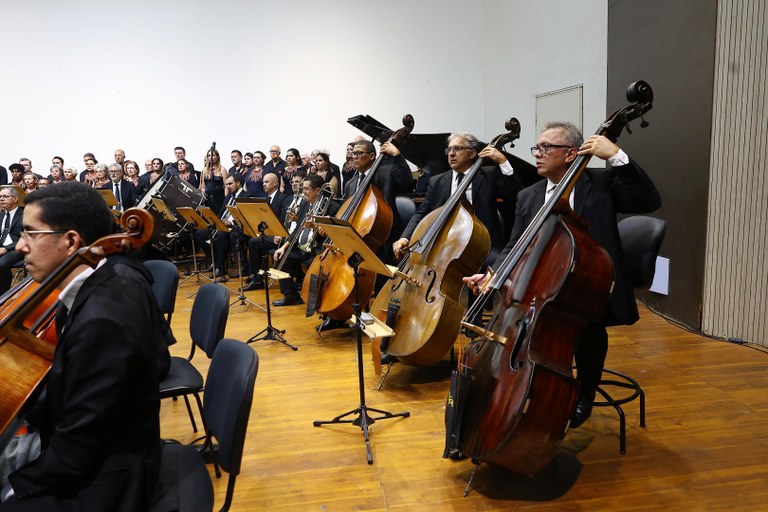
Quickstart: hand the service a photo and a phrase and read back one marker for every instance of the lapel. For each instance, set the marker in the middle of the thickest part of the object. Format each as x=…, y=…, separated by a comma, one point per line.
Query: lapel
x=90, y=284
x=583, y=188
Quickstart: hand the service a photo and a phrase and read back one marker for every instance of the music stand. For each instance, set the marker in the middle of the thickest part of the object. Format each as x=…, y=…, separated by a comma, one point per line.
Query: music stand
x=214, y=224
x=192, y=217
x=260, y=214
x=347, y=242
x=109, y=197
x=242, y=224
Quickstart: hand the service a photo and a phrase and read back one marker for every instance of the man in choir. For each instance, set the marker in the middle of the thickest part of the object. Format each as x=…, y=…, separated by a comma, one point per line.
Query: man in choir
x=119, y=156
x=275, y=164
x=237, y=162
x=98, y=420
x=489, y=184
x=599, y=195
x=124, y=191
x=312, y=186
x=11, y=223
x=258, y=247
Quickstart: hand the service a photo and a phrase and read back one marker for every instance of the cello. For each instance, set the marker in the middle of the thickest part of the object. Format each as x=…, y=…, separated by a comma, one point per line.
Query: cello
x=422, y=304
x=27, y=333
x=329, y=278
x=518, y=390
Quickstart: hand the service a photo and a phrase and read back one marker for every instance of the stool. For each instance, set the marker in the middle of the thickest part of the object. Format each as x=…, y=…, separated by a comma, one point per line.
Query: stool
x=624, y=382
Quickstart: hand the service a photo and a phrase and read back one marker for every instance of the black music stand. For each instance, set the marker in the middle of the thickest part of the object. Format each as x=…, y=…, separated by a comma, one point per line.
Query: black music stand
x=346, y=241
x=241, y=223
x=260, y=214
x=214, y=224
x=194, y=219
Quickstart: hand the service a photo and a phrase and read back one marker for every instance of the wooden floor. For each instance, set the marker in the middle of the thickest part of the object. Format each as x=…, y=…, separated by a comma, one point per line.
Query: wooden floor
x=705, y=446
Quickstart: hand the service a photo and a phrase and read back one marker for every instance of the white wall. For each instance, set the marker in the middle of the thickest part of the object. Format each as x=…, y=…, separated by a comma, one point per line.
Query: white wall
x=148, y=75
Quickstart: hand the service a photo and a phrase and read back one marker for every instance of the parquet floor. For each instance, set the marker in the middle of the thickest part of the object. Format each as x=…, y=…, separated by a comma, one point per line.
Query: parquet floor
x=705, y=446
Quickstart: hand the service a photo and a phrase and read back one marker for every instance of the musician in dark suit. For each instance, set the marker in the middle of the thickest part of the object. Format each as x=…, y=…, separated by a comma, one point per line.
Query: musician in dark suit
x=312, y=186
x=393, y=178
x=10, y=231
x=489, y=184
x=124, y=191
x=599, y=195
x=258, y=247
x=223, y=241
x=98, y=418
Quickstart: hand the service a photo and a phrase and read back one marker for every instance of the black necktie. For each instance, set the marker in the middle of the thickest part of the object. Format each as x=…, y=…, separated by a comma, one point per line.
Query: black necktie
x=61, y=318
x=459, y=177
x=117, y=196
x=6, y=227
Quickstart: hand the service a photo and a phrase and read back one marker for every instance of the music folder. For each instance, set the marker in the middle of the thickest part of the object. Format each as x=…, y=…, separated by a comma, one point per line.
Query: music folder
x=259, y=214
x=348, y=242
x=212, y=219
x=191, y=216
x=161, y=207
x=108, y=196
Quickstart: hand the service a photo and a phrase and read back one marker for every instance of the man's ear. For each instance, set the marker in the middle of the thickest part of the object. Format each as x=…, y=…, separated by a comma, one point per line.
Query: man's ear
x=73, y=241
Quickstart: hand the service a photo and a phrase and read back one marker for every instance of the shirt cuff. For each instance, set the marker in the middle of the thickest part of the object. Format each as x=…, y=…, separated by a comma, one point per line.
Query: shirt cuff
x=618, y=159
x=506, y=168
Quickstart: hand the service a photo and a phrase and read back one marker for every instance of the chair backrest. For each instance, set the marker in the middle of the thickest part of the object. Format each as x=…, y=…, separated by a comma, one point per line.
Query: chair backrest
x=208, y=318
x=406, y=208
x=166, y=283
x=227, y=402
x=641, y=239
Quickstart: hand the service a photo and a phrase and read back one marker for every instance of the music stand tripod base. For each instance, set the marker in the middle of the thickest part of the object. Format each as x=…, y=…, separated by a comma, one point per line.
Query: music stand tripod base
x=270, y=332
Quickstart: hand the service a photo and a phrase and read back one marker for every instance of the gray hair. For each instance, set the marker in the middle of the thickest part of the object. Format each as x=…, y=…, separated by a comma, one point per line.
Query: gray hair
x=473, y=141
x=571, y=133
x=101, y=167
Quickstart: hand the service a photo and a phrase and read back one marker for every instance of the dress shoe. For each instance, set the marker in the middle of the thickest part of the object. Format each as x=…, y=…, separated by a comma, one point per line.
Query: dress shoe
x=387, y=359
x=218, y=273
x=583, y=409
x=288, y=301
x=250, y=278
x=253, y=285
x=234, y=275
x=329, y=324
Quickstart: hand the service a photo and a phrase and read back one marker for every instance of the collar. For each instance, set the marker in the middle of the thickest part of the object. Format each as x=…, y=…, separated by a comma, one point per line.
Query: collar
x=69, y=293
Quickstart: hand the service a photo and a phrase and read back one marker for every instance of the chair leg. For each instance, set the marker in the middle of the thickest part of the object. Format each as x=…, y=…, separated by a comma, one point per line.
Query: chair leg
x=191, y=416
x=230, y=493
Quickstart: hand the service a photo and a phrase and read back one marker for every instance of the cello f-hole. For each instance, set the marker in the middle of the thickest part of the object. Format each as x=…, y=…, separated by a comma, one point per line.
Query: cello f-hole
x=429, y=297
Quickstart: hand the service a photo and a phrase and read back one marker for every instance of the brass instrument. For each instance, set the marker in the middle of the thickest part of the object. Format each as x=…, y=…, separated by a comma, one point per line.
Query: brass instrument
x=319, y=208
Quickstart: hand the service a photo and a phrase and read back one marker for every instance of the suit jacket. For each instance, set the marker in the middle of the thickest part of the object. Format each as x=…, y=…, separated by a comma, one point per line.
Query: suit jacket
x=333, y=209
x=280, y=204
x=488, y=185
x=128, y=193
x=3, y=175
x=393, y=178
x=15, y=228
x=98, y=419
x=599, y=196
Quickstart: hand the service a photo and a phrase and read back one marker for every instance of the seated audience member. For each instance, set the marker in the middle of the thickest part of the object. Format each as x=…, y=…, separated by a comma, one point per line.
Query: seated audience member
x=98, y=420
x=11, y=224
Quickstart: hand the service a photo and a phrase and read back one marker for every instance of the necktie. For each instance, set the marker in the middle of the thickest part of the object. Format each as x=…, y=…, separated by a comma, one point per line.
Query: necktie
x=61, y=318
x=117, y=196
x=459, y=177
x=6, y=226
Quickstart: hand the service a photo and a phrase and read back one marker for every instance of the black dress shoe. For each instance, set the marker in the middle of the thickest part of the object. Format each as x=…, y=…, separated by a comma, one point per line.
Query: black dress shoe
x=330, y=324
x=387, y=358
x=250, y=278
x=583, y=410
x=288, y=301
x=234, y=275
x=254, y=285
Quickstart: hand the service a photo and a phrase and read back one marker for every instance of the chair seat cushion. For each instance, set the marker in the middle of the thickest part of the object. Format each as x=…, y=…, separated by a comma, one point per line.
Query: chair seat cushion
x=182, y=378
x=184, y=482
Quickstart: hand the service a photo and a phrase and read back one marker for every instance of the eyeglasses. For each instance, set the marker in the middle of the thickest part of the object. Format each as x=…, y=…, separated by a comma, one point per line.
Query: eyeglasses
x=359, y=153
x=456, y=149
x=273, y=151
x=5, y=196
x=543, y=148
x=29, y=238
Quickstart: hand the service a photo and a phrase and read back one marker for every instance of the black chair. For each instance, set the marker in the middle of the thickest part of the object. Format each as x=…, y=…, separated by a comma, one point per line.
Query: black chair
x=184, y=483
x=166, y=283
x=405, y=208
x=207, y=322
x=641, y=239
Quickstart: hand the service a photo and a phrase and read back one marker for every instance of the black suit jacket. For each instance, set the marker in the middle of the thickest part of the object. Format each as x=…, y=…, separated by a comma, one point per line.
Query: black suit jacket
x=15, y=228
x=599, y=196
x=488, y=185
x=128, y=193
x=393, y=178
x=3, y=175
x=98, y=419
x=280, y=204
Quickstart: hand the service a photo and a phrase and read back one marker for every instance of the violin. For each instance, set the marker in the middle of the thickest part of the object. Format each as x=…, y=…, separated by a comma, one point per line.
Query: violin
x=27, y=326
x=518, y=391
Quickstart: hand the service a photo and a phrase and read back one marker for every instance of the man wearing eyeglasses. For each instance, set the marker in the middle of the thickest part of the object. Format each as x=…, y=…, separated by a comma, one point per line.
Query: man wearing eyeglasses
x=598, y=196
x=276, y=165
x=10, y=222
x=489, y=184
x=98, y=418
x=124, y=191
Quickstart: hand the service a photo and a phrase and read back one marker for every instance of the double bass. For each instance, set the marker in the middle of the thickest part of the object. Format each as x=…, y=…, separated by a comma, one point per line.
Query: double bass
x=330, y=279
x=422, y=303
x=27, y=329
x=518, y=392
